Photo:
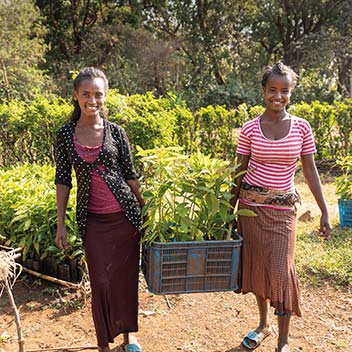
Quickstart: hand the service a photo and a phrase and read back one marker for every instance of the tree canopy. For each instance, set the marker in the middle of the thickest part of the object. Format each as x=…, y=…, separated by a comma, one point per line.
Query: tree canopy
x=21, y=49
x=205, y=51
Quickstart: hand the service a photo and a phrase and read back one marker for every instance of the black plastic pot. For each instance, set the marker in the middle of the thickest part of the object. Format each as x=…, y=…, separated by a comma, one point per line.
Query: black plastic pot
x=74, y=270
x=49, y=266
x=64, y=271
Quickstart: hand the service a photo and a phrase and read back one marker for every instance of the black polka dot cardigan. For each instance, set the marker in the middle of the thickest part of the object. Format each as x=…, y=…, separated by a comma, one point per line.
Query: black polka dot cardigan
x=115, y=156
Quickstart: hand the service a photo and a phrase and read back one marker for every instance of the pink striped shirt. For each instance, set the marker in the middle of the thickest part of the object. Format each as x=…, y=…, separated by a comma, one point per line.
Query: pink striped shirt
x=272, y=163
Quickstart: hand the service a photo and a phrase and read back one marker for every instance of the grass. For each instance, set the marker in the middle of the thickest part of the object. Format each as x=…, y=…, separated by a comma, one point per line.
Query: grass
x=319, y=260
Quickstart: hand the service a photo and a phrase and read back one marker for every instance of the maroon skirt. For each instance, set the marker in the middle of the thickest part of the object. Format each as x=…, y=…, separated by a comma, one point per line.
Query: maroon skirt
x=111, y=245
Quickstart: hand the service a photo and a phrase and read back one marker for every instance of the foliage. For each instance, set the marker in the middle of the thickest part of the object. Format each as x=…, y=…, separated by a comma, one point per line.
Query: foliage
x=21, y=50
x=316, y=84
x=151, y=122
x=215, y=126
x=331, y=124
x=207, y=52
x=187, y=197
x=344, y=182
x=344, y=123
x=291, y=29
x=29, y=128
x=28, y=212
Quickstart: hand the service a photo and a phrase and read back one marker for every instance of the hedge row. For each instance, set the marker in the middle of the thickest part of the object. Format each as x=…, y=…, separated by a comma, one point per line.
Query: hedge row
x=28, y=130
x=28, y=212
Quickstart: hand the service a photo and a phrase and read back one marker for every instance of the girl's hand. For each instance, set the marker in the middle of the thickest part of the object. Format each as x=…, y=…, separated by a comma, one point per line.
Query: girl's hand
x=325, y=226
x=145, y=219
x=61, y=238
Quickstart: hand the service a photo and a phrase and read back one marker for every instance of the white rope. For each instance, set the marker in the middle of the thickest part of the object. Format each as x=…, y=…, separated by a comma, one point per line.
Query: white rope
x=9, y=269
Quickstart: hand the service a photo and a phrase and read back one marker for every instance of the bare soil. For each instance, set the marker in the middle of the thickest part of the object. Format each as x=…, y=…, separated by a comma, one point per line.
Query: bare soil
x=54, y=317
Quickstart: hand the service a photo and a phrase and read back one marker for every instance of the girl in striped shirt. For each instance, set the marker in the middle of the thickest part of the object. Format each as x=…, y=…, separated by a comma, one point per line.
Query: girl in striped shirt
x=269, y=147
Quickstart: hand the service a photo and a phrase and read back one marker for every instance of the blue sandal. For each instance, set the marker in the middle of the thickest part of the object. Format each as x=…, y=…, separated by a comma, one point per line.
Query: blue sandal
x=253, y=339
x=133, y=347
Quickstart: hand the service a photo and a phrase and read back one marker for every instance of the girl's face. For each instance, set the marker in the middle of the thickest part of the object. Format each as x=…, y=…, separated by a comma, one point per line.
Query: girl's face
x=277, y=92
x=91, y=97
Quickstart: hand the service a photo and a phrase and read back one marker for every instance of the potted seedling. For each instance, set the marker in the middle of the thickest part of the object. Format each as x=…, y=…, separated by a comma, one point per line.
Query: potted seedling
x=188, y=246
x=344, y=191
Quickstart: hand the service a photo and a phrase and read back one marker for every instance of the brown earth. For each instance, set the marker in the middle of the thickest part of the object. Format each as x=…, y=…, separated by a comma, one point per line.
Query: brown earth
x=54, y=317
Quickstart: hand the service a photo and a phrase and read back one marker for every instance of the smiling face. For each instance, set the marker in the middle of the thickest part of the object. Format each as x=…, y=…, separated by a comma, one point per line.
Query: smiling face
x=277, y=92
x=90, y=95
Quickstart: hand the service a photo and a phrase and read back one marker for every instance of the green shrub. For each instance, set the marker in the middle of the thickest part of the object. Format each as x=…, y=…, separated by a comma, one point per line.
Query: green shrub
x=344, y=124
x=149, y=121
x=187, y=197
x=215, y=131
x=344, y=182
x=28, y=129
x=331, y=124
x=28, y=211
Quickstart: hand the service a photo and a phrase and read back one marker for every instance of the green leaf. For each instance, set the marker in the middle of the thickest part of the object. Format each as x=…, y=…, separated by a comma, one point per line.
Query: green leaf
x=19, y=217
x=27, y=225
x=245, y=212
x=212, y=203
x=52, y=249
x=223, y=212
x=36, y=246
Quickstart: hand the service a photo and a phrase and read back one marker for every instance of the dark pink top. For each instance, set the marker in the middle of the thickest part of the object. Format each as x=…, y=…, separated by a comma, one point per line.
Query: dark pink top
x=101, y=200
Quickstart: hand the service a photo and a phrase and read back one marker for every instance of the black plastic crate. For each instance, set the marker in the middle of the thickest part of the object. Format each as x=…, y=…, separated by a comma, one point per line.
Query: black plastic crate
x=187, y=267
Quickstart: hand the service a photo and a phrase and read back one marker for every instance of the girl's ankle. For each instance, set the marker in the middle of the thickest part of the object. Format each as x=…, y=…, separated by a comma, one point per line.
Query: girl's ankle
x=282, y=346
x=104, y=349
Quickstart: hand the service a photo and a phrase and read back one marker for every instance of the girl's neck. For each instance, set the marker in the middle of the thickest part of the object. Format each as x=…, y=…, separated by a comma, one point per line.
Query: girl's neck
x=90, y=120
x=269, y=115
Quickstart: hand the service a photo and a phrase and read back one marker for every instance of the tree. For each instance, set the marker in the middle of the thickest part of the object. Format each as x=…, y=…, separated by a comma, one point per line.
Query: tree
x=286, y=28
x=92, y=33
x=21, y=49
x=209, y=35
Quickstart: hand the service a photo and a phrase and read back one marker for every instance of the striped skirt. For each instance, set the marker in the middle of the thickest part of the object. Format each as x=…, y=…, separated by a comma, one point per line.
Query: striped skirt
x=111, y=245
x=268, y=257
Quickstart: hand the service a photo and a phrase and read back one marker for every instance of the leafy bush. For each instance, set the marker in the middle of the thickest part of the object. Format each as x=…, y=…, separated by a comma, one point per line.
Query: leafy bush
x=187, y=197
x=214, y=131
x=344, y=124
x=344, y=182
x=146, y=119
x=28, y=129
x=28, y=212
x=331, y=124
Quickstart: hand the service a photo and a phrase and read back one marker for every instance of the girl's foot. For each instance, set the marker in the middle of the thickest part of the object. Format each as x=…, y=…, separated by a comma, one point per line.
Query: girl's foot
x=132, y=339
x=131, y=343
x=254, y=338
x=129, y=339
x=283, y=347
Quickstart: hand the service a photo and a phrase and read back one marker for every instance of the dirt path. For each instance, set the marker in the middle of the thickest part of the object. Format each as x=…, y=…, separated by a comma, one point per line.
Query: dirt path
x=194, y=322
x=210, y=322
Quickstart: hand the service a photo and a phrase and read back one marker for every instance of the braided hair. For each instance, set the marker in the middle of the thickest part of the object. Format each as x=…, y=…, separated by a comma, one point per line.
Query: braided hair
x=280, y=69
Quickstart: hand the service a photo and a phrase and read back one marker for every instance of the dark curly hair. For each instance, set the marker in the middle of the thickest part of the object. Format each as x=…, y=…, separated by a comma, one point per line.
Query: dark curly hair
x=280, y=69
x=87, y=73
